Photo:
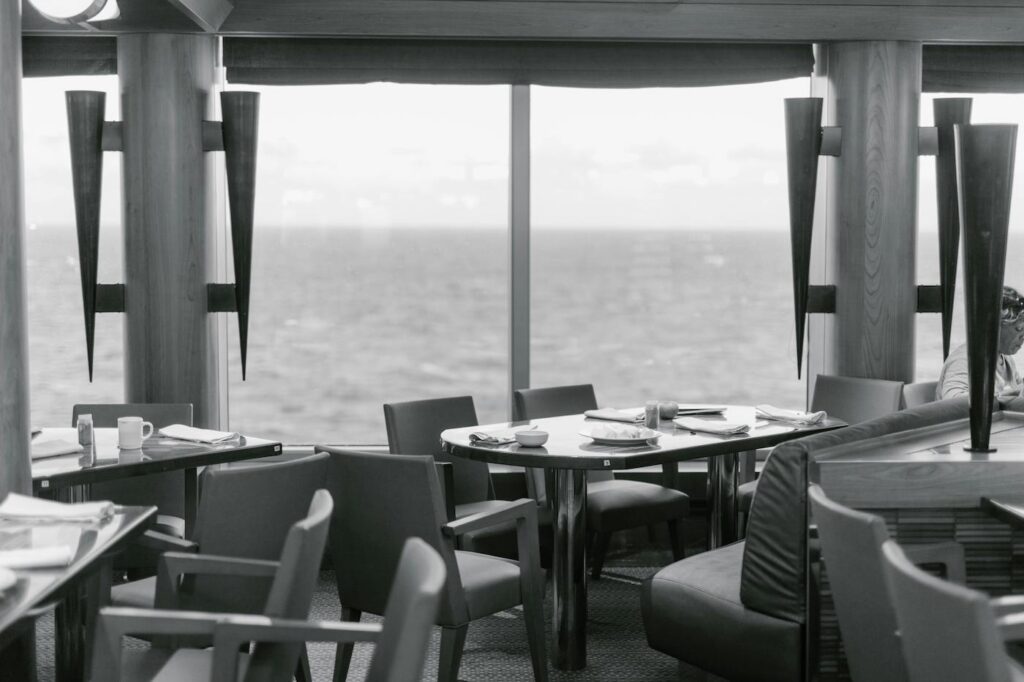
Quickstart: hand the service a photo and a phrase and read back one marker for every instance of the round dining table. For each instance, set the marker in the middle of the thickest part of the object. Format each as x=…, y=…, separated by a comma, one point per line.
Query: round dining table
x=569, y=454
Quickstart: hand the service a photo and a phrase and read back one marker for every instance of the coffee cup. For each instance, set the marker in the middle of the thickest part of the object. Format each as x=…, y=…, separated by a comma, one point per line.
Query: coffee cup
x=131, y=431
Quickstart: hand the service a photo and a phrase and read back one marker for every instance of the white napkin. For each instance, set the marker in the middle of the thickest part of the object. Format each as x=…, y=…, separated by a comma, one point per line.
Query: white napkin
x=54, y=448
x=611, y=414
x=497, y=438
x=26, y=509
x=795, y=416
x=716, y=427
x=37, y=557
x=208, y=436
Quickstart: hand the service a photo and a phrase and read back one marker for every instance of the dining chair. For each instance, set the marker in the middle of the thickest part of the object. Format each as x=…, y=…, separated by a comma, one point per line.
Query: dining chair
x=414, y=428
x=612, y=504
x=950, y=632
x=920, y=393
x=851, y=544
x=385, y=499
x=851, y=399
x=279, y=631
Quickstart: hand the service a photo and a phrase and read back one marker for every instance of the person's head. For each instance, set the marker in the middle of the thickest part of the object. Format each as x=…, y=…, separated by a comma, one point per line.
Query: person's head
x=1011, y=325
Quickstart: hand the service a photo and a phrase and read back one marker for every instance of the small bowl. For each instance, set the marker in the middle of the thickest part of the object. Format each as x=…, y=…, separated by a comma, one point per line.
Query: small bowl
x=532, y=438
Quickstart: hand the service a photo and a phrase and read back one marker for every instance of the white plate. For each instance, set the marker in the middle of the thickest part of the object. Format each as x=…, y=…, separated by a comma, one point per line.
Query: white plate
x=8, y=579
x=654, y=435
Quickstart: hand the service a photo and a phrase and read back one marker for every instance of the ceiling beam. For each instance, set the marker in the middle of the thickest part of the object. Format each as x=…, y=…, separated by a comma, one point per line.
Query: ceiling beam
x=207, y=14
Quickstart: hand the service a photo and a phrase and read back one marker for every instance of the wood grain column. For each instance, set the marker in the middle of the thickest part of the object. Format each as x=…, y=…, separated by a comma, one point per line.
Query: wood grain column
x=15, y=467
x=169, y=212
x=873, y=94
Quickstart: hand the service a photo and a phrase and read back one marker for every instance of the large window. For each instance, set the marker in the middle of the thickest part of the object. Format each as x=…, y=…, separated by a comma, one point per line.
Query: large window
x=380, y=261
x=59, y=374
x=661, y=262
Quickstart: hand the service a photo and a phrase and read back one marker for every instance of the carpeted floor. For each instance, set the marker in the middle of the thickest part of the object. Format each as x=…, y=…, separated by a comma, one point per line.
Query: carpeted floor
x=496, y=649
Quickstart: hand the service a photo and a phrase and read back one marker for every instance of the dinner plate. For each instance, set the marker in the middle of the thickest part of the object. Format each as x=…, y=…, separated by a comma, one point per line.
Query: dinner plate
x=655, y=435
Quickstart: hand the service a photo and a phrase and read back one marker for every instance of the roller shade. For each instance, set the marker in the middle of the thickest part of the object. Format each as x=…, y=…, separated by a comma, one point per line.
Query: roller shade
x=68, y=56
x=290, y=61
x=973, y=68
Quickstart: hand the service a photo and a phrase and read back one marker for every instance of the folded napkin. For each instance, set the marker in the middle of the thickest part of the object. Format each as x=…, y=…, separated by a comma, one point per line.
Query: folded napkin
x=37, y=557
x=54, y=448
x=208, y=436
x=497, y=438
x=716, y=427
x=613, y=415
x=25, y=509
x=795, y=416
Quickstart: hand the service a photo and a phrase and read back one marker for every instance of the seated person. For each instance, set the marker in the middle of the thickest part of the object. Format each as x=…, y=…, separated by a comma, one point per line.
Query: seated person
x=953, y=379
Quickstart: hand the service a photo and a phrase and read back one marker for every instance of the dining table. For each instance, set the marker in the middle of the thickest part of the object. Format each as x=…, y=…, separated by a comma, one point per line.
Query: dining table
x=78, y=589
x=66, y=478
x=569, y=454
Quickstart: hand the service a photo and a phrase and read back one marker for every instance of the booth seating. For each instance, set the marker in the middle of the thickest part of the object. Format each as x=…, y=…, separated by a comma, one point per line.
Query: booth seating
x=741, y=611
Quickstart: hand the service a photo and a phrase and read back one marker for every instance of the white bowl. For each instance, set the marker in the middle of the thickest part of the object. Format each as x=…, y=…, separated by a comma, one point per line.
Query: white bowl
x=532, y=438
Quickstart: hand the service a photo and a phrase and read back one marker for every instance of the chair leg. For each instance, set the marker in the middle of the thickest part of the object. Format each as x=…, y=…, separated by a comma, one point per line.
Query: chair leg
x=533, y=614
x=597, y=559
x=675, y=537
x=452, y=642
x=343, y=653
x=302, y=671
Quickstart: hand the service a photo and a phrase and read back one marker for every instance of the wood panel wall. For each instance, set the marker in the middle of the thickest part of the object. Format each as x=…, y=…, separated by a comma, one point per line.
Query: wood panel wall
x=169, y=211
x=872, y=207
x=15, y=463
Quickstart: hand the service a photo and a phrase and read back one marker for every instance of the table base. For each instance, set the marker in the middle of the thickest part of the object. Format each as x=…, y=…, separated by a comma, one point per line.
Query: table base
x=569, y=568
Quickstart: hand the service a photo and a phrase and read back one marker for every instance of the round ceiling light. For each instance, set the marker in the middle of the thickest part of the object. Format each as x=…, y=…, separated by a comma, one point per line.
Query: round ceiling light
x=77, y=11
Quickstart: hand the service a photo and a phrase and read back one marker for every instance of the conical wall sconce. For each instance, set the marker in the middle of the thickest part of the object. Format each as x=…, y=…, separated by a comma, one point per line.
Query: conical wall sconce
x=985, y=160
x=85, y=129
x=240, y=113
x=949, y=112
x=803, y=146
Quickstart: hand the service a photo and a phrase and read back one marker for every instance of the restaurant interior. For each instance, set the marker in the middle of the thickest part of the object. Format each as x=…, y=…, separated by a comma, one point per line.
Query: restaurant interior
x=511, y=339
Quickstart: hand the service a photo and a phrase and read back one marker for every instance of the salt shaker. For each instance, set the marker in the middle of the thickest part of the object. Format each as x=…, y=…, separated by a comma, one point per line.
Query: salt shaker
x=85, y=439
x=652, y=414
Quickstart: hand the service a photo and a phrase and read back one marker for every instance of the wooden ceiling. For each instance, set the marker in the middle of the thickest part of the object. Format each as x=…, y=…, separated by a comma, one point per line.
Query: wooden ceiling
x=958, y=21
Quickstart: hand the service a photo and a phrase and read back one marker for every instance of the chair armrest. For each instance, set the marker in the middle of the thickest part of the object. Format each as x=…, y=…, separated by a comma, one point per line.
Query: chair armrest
x=446, y=474
x=1008, y=605
x=114, y=623
x=234, y=631
x=174, y=565
x=161, y=542
x=525, y=509
x=1011, y=627
x=950, y=555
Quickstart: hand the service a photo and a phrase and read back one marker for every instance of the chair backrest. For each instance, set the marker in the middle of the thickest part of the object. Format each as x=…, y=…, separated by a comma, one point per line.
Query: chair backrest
x=856, y=400
x=414, y=428
x=920, y=393
x=291, y=593
x=105, y=415
x=554, y=401
x=248, y=512
x=166, y=490
x=411, y=611
x=382, y=500
x=948, y=631
x=851, y=542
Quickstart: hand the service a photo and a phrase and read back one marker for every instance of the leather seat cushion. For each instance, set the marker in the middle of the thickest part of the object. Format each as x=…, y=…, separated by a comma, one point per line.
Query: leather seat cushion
x=491, y=583
x=160, y=665
x=692, y=611
x=620, y=504
x=137, y=593
x=745, y=495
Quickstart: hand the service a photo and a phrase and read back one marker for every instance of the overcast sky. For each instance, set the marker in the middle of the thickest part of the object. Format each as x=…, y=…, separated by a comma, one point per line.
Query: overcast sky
x=388, y=155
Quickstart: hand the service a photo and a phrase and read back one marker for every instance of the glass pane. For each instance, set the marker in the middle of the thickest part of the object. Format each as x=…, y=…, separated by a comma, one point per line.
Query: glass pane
x=661, y=257
x=58, y=368
x=986, y=109
x=380, y=259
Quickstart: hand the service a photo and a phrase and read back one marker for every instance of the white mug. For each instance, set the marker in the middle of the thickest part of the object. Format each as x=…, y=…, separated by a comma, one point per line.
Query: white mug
x=131, y=431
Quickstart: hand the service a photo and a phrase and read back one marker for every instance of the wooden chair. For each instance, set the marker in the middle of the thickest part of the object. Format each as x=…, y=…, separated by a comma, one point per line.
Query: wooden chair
x=949, y=632
x=851, y=543
x=385, y=499
x=917, y=394
x=612, y=504
x=279, y=632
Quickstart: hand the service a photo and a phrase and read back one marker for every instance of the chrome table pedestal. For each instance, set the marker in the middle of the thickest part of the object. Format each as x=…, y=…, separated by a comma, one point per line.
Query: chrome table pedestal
x=569, y=567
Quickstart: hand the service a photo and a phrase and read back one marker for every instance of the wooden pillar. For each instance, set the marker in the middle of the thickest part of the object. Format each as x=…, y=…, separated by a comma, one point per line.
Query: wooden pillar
x=15, y=463
x=868, y=245
x=170, y=222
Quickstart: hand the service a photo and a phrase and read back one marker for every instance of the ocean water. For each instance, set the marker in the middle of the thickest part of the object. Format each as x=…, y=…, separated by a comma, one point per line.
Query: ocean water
x=344, y=320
